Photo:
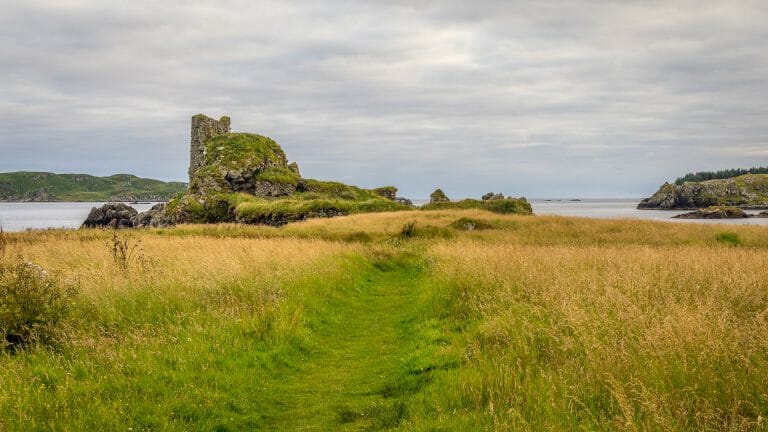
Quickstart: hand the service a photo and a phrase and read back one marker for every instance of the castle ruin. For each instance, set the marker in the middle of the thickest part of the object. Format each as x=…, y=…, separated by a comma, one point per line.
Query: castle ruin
x=204, y=128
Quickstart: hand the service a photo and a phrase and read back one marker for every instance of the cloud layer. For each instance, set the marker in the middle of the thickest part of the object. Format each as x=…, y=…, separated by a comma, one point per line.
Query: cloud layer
x=544, y=99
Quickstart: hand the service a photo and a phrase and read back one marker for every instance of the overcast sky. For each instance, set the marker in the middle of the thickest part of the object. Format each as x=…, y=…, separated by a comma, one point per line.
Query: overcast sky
x=542, y=99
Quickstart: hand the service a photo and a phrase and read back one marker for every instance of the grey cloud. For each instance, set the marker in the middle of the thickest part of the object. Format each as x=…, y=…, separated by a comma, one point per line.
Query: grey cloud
x=585, y=98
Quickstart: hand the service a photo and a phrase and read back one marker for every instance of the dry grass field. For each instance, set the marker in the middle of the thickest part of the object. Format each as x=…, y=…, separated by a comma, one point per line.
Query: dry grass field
x=424, y=320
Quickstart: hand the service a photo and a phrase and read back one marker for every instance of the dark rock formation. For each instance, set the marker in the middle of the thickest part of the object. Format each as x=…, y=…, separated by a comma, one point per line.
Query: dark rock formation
x=112, y=215
x=490, y=196
x=715, y=212
x=154, y=217
x=438, y=196
x=404, y=201
x=747, y=191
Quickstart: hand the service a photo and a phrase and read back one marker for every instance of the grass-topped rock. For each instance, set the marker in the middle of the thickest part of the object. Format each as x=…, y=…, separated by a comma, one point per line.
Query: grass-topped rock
x=242, y=162
x=501, y=206
x=746, y=191
x=244, y=177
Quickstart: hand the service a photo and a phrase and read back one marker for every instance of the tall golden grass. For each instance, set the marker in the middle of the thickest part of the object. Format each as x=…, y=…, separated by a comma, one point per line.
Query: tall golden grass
x=629, y=337
x=560, y=323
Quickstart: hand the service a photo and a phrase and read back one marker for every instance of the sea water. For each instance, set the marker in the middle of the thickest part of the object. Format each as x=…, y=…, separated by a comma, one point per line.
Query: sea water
x=25, y=216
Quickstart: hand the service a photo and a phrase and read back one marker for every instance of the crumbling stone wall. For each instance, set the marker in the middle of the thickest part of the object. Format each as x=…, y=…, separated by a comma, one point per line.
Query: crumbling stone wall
x=203, y=128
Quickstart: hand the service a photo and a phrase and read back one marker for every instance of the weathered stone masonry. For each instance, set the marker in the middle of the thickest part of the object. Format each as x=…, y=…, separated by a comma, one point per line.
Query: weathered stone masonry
x=203, y=128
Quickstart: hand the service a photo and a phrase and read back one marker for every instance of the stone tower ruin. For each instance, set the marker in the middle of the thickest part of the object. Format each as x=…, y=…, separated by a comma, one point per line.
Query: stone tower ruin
x=203, y=128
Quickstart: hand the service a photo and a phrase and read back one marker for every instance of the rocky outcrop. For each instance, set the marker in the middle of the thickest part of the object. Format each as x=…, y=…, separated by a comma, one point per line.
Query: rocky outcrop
x=438, y=196
x=747, y=191
x=248, y=163
x=40, y=195
x=715, y=212
x=404, y=201
x=490, y=196
x=111, y=215
x=203, y=129
x=244, y=177
x=388, y=192
x=154, y=217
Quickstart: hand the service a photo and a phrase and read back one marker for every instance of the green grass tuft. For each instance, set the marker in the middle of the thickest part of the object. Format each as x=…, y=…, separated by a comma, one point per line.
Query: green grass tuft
x=728, y=238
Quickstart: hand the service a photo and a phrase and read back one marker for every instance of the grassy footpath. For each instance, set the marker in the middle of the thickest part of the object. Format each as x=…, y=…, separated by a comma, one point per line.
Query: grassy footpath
x=418, y=321
x=371, y=354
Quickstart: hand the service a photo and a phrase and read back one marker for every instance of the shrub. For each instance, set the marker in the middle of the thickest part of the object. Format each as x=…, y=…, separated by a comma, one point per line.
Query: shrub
x=32, y=304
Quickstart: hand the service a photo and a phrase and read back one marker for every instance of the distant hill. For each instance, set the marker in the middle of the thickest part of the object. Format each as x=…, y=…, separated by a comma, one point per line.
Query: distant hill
x=44, y=186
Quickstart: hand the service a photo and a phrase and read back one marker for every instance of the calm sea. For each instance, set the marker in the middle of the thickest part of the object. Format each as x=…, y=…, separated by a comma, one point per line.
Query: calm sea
x=24, y=216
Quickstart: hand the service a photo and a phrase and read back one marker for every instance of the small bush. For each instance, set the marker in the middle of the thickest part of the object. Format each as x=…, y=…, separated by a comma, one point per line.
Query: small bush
x=728, y=238
x=32, y=304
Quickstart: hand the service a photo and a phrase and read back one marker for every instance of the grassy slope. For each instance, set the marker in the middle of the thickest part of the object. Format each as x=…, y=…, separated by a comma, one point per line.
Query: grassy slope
x=82, y=187
x=536, y=323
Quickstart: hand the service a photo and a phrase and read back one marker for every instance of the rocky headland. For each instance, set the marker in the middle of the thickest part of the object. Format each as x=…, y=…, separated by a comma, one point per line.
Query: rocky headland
x=745, y=192
x=247, y=178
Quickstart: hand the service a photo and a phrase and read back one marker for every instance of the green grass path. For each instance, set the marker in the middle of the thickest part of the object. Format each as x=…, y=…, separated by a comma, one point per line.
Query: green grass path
x=364, y=365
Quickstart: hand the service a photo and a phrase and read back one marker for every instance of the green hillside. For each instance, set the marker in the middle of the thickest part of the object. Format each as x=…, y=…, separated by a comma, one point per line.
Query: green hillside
x=44, y=186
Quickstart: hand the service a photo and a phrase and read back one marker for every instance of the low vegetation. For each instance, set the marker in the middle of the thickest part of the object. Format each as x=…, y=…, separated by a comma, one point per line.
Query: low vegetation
x=405, y=320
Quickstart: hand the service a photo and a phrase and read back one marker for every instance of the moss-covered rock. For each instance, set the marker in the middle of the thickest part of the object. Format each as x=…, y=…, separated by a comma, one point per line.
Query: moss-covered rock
x=388, y=192
x=501, y=206
x=438, y=196
x=240, y=162
x=247, y=178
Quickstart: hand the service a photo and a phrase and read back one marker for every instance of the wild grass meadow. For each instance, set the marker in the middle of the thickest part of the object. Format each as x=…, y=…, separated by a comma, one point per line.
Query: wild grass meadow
x=454, y=320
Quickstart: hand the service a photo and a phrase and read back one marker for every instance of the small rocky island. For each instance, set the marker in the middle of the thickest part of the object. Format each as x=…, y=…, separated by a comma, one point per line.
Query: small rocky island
x=720, y=212
x=748, y=191
x=247, y=178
